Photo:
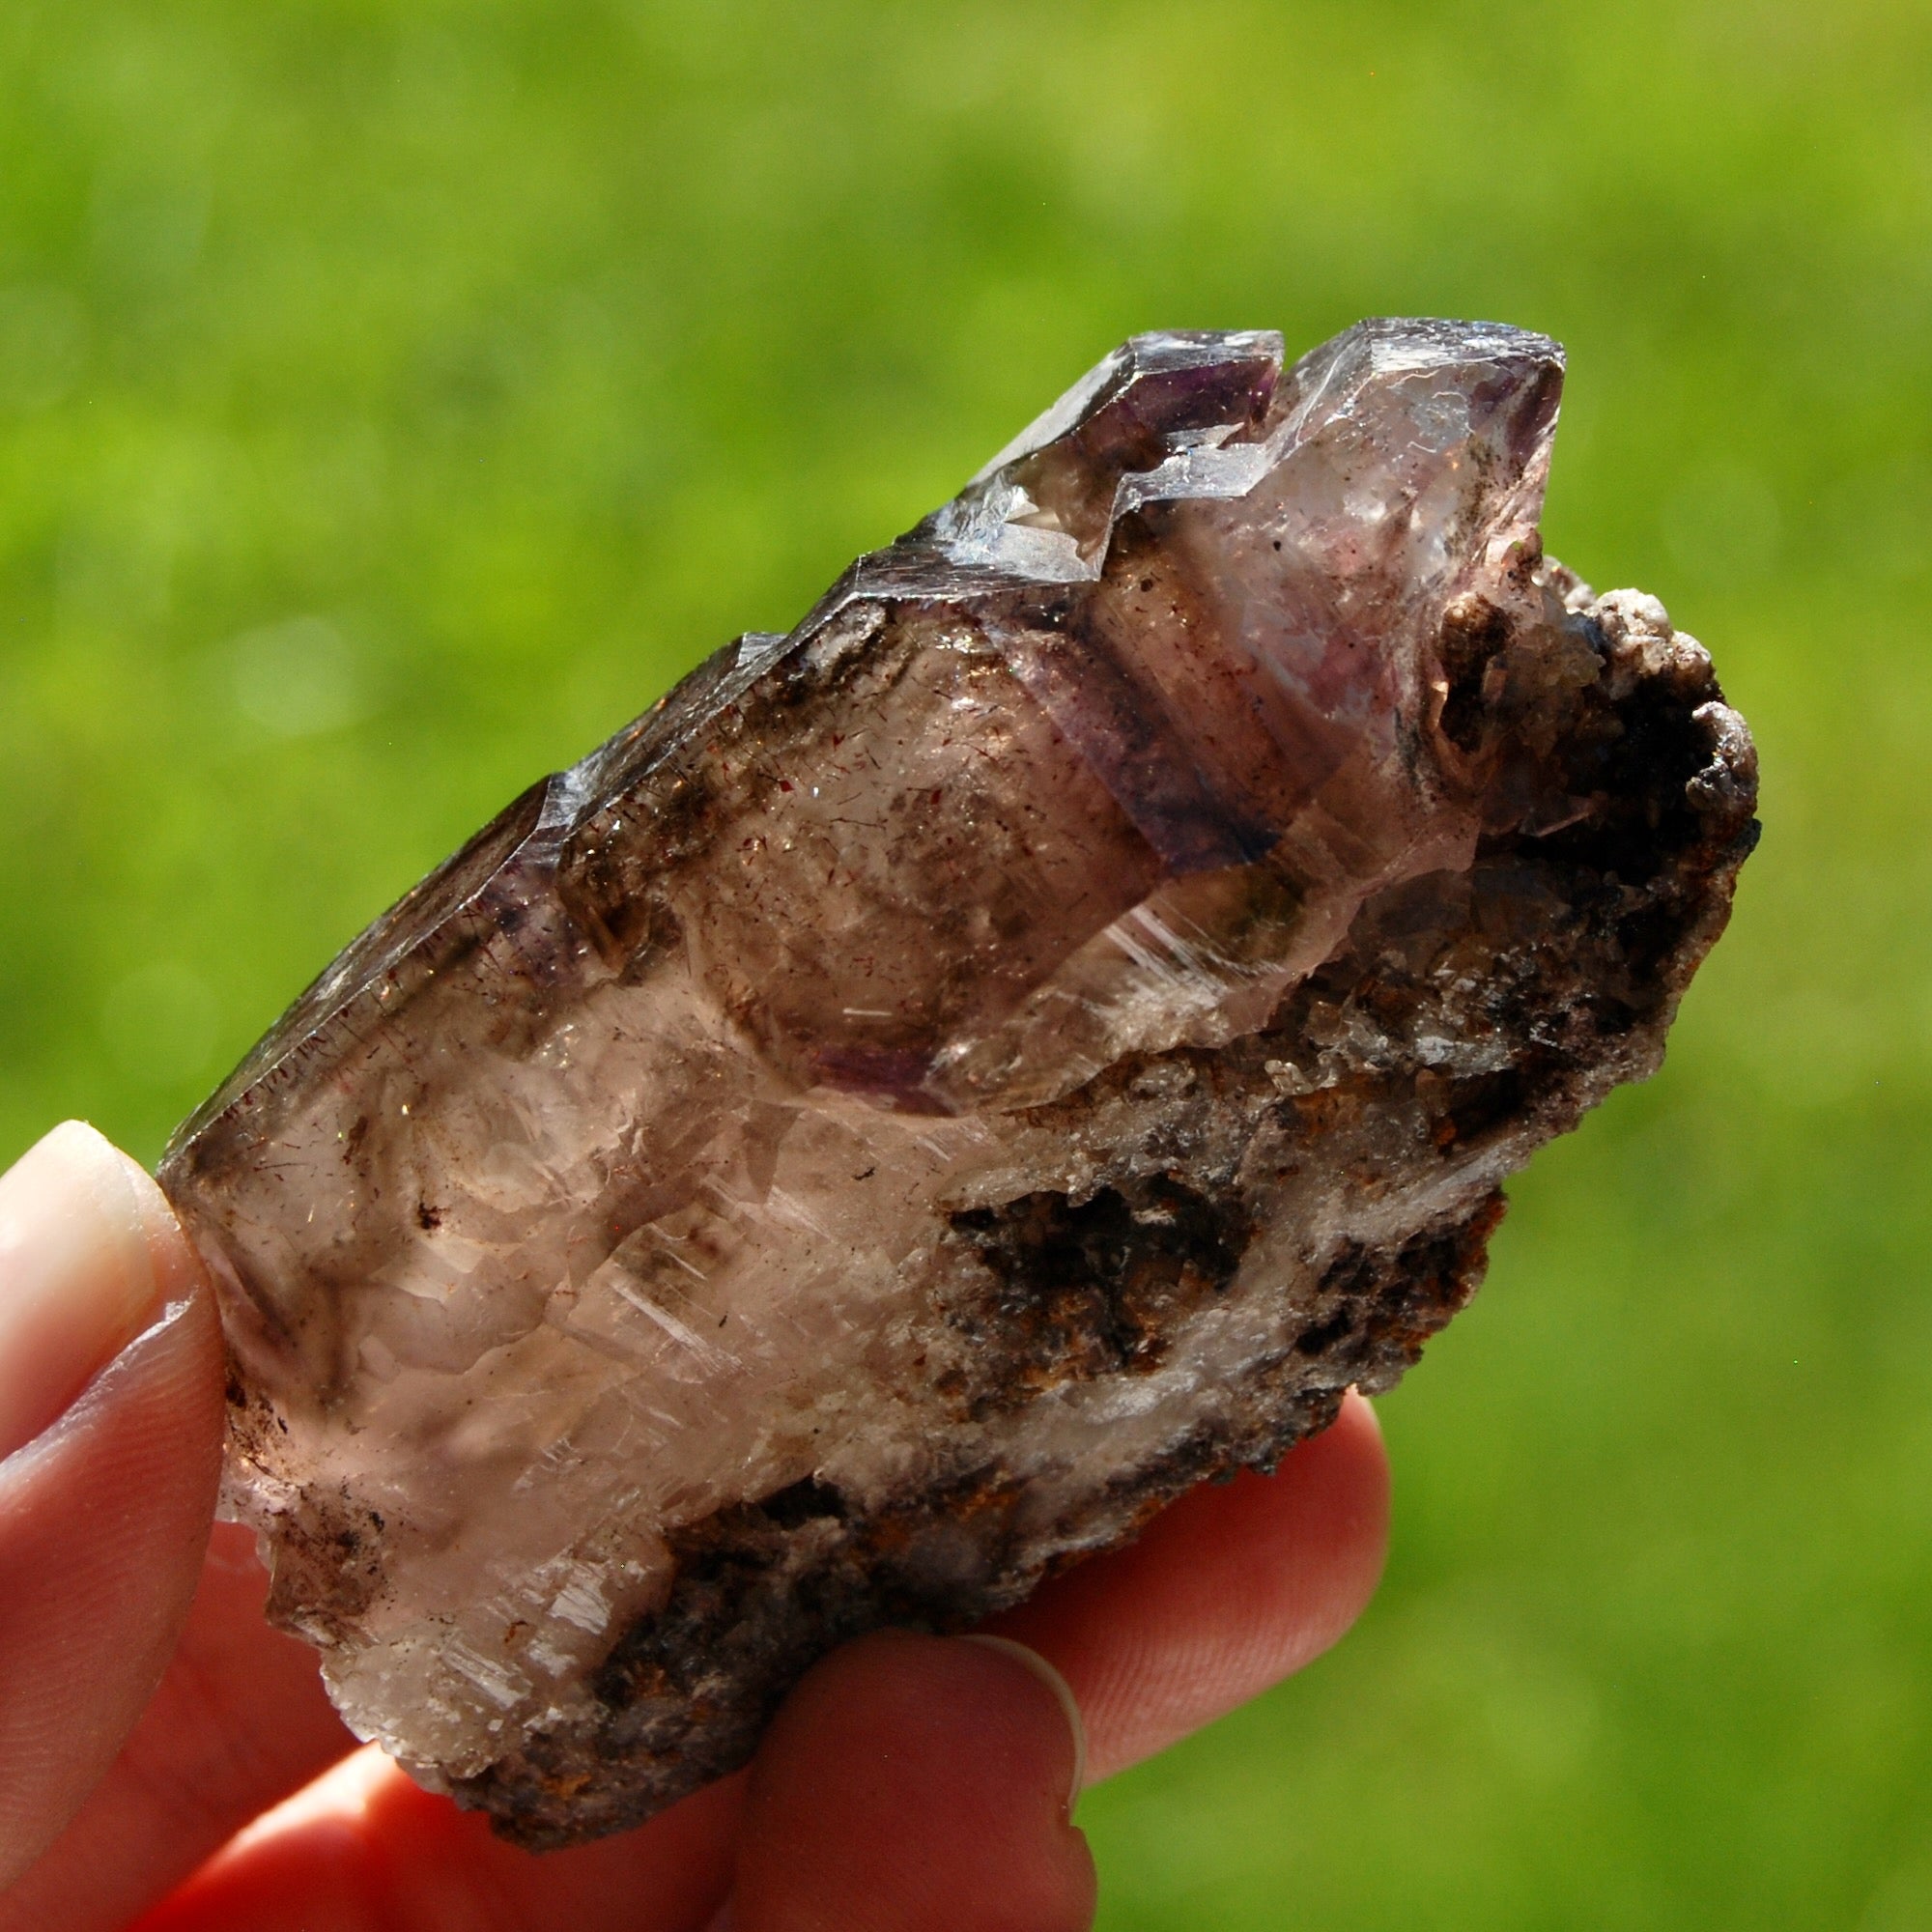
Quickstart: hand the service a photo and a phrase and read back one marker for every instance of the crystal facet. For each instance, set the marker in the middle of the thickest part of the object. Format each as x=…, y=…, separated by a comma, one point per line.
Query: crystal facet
x=948, y=1078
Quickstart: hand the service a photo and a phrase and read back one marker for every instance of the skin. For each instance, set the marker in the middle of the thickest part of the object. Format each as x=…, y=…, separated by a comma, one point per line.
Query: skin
x=168, y=1762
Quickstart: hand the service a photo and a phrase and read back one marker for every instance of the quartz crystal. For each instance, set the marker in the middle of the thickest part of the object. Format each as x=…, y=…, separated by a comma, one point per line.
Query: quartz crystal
x=951, y=1077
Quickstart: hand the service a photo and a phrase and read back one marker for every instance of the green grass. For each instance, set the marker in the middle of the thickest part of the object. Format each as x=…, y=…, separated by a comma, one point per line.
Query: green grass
x=394, y=398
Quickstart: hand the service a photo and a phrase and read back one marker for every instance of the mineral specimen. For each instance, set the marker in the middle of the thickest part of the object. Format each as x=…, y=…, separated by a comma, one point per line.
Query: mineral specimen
x=948, y=1078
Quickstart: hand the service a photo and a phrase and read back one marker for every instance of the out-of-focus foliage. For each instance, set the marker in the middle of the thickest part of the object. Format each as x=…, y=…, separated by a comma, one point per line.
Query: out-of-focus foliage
x=393, y=398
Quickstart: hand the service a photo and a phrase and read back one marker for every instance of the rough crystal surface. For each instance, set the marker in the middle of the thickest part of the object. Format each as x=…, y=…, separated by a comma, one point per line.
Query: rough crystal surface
x=949, y=1078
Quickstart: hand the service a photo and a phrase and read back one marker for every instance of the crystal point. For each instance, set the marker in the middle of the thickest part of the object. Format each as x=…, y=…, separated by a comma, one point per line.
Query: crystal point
x=951, y=1077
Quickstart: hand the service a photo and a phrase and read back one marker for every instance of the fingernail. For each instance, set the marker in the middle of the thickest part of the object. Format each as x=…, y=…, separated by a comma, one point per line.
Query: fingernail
x=1032, y=1661
x=77, y=1275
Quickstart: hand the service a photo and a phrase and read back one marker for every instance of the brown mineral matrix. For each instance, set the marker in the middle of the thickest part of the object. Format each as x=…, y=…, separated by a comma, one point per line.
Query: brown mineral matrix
x=952, y=1077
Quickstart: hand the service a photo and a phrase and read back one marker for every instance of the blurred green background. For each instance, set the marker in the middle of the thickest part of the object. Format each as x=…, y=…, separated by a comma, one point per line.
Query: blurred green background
x=394, y=398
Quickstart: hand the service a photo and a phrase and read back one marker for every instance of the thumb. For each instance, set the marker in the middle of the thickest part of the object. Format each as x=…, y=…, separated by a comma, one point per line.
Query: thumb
x=111, y=1443
x=917, y=1784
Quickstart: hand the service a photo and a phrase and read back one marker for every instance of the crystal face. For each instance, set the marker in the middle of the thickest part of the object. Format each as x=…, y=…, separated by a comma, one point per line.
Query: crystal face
x=951, y=1077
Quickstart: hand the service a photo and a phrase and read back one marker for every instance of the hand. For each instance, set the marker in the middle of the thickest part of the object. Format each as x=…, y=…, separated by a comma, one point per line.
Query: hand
x=148, y=1714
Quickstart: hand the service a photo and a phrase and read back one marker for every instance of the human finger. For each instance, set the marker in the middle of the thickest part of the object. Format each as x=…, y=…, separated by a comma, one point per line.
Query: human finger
x=362, y=1849
x=916, y=1785
x=110, y=1427
x=239, y=1721
x=906, y=1782
x=1229, y=1590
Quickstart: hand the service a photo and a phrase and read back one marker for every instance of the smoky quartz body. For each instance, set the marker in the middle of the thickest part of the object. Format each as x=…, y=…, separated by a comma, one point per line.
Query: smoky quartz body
x=948, y=1078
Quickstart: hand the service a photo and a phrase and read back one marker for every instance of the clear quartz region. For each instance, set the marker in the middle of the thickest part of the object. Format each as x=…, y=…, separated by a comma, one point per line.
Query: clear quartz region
x=948, y=1078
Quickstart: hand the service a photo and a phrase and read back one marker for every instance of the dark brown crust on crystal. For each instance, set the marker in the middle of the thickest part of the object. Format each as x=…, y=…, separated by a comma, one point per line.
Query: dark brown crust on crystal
x=1568, y=948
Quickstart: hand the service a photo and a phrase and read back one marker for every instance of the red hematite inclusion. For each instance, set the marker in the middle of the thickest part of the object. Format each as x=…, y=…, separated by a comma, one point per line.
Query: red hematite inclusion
x=948, y=1078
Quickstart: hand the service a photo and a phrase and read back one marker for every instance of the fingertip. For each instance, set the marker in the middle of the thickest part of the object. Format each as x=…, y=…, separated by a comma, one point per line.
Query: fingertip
x=911, y=1782
x=111, y=1404
x=176, y=1264
x=1062, y=1693
x=1347, y=1482
x=77, y=1275
x=1230, y=1590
